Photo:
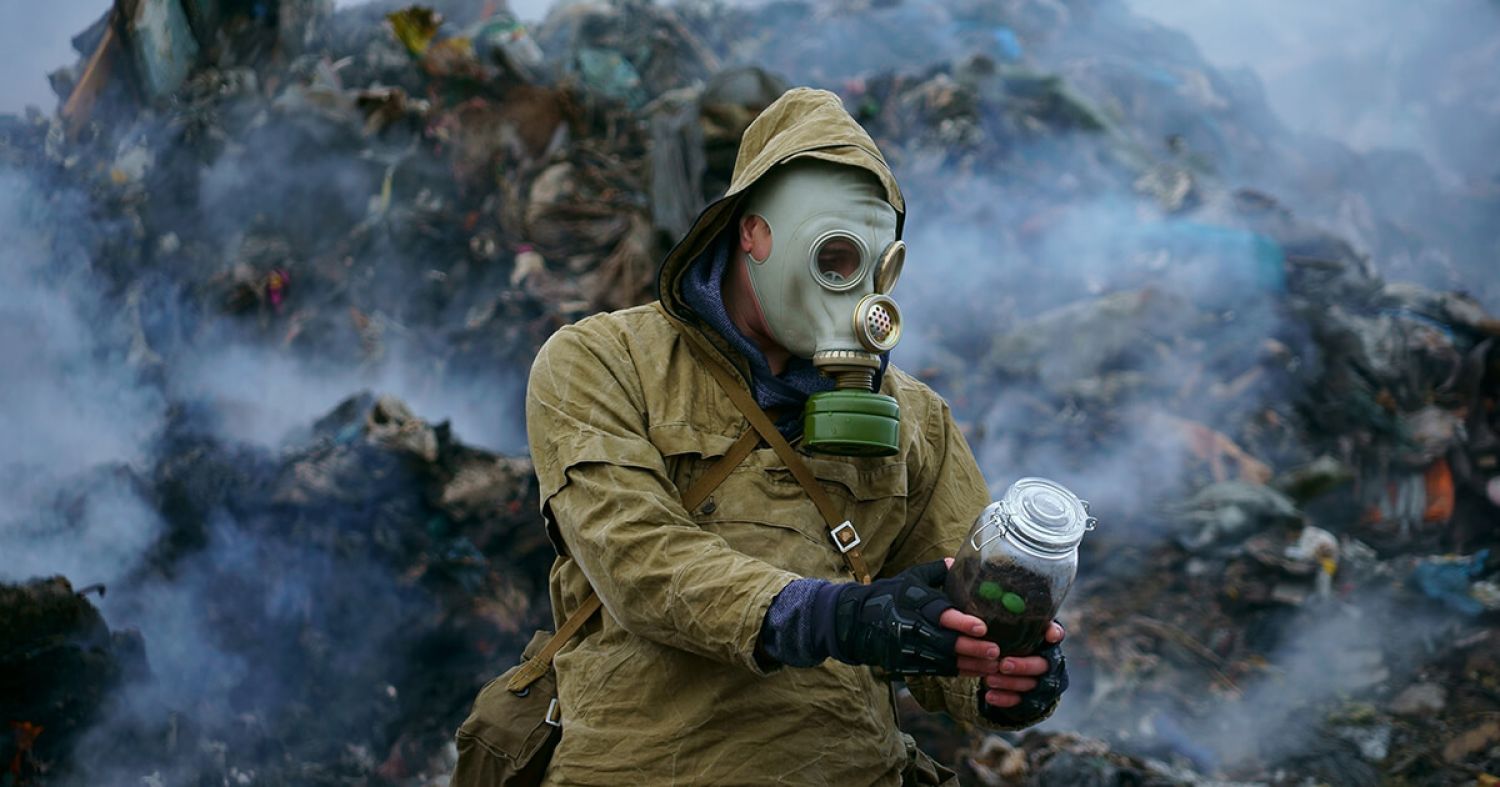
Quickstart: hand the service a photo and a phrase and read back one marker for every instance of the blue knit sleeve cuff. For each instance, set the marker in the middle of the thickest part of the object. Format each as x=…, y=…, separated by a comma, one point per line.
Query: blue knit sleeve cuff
x=797, y=628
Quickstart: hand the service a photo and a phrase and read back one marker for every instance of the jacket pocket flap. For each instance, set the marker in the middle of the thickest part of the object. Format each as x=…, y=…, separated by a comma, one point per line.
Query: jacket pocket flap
x=862, y=479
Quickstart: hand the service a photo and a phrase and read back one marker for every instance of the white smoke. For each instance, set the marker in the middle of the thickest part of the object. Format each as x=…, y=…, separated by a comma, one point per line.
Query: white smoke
x=1369, y=73
x=72, y=400
x=262, y=396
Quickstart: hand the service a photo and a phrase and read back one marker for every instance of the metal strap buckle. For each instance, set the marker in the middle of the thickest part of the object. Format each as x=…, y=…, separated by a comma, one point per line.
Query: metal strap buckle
x=845, y=537
x=553, y=717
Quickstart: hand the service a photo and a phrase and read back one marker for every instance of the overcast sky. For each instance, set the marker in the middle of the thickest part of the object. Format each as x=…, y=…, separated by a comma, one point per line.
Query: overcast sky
x=34, y=39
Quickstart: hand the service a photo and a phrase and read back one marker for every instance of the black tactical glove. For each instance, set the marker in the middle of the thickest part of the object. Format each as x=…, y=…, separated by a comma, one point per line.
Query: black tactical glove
x=893, y=623
x=1036, y=704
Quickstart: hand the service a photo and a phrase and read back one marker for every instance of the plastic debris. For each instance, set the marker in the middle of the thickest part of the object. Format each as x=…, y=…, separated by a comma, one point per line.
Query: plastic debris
x=1471, y=741
x=163, y=45
x=1450, y=579
x=1420, y=698
x=503, y=39
x=1229, y=509
x=415, y=28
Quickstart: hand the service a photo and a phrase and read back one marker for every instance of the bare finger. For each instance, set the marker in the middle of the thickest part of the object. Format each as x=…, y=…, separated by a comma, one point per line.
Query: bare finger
x=1002, y=699
x=1055, y=633
x=978, y=648
x=1023, y=665
x=977, y=668
x=963, y=624
x=1009, y=683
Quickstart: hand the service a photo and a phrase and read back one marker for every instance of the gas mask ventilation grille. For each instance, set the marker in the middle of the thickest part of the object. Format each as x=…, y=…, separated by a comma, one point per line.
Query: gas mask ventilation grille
x=877, y=323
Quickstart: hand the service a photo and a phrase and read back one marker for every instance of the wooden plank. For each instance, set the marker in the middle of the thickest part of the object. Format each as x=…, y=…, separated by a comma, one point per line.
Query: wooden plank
x=80, y=103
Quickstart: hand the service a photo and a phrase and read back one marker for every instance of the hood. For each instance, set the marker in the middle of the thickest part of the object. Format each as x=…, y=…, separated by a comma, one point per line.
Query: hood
x=803, y=123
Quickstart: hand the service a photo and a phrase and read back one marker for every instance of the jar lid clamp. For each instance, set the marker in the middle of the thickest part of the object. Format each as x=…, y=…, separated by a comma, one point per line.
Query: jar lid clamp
x=1040, y=513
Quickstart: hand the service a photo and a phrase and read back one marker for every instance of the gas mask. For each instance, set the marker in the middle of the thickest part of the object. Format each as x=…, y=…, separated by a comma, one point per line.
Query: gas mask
x=824, y=291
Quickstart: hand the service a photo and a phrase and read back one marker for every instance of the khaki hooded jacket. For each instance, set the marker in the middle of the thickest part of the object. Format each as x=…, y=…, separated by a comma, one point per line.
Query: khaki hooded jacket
x=663, y=687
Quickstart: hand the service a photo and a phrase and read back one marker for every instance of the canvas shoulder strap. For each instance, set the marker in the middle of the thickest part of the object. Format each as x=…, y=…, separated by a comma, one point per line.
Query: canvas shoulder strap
x=845, y=537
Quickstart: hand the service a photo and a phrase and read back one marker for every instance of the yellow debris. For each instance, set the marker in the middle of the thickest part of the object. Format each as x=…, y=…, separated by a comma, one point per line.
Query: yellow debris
x=415, y=27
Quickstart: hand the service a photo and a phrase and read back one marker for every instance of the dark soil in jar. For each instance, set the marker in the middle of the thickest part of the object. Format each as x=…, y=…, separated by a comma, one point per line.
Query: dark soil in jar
x=1014, y=603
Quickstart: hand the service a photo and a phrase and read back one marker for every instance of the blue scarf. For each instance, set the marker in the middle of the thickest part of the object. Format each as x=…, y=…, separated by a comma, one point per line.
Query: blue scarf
x=702, y=289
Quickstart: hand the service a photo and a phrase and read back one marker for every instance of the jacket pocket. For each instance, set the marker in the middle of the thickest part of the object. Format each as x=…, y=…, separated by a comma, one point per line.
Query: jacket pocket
x=868, y=493
x=763, y=511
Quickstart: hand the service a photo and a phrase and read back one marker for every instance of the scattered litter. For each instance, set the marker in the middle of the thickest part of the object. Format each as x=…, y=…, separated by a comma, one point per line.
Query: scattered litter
x=353, y=183
x=1450, y=579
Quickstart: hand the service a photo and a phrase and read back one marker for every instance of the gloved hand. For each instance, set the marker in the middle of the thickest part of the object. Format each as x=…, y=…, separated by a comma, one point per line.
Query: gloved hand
x=903, y=624
x=893, y=623
x=1036, y=703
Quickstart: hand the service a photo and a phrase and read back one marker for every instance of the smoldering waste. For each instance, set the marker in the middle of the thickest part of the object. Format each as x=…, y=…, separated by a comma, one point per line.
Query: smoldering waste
x=348, y=593
x=1201, y=321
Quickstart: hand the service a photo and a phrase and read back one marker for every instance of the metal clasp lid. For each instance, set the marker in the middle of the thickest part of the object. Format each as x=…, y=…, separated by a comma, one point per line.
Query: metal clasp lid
x=997, y=519
x=554, y=716
x=845, y=537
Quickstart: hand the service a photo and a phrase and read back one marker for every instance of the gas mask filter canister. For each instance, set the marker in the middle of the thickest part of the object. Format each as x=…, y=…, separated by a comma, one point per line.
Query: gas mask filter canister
x=824, y=290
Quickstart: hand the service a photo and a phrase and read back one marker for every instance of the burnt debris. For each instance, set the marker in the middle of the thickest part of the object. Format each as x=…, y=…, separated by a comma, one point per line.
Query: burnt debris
x=279, y=269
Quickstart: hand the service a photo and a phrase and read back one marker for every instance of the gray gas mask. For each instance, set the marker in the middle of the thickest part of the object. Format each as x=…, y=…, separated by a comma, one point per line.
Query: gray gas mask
x=824, y=291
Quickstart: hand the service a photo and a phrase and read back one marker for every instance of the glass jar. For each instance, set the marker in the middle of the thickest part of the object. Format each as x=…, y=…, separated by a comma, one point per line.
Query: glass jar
x=1019, y=561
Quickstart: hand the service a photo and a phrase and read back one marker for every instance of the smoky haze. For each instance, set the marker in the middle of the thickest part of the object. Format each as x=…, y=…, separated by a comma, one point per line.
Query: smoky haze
x=108, y=366
x=73, y=399
x=1370, y=74
x=1366, y=135
x=991, y=294
x=1413, y=87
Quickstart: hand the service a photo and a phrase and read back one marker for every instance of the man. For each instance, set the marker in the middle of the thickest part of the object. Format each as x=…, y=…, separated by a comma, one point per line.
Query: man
x=736, y=643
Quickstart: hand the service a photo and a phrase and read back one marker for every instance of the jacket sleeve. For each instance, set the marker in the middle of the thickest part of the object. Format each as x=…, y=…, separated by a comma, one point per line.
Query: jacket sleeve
x=606, y=494
x=947, y=492
x=950, y=493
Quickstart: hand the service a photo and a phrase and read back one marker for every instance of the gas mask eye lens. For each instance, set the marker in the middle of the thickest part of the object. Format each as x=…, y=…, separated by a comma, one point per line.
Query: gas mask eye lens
x=838, y=261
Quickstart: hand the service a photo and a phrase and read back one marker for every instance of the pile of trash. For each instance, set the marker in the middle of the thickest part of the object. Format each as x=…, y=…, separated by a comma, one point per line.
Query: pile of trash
x=346, y=597
x=1125, y=274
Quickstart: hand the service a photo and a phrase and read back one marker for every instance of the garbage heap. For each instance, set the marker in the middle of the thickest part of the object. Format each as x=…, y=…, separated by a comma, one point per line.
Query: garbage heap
x=343, y=594
x=1125, y=274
